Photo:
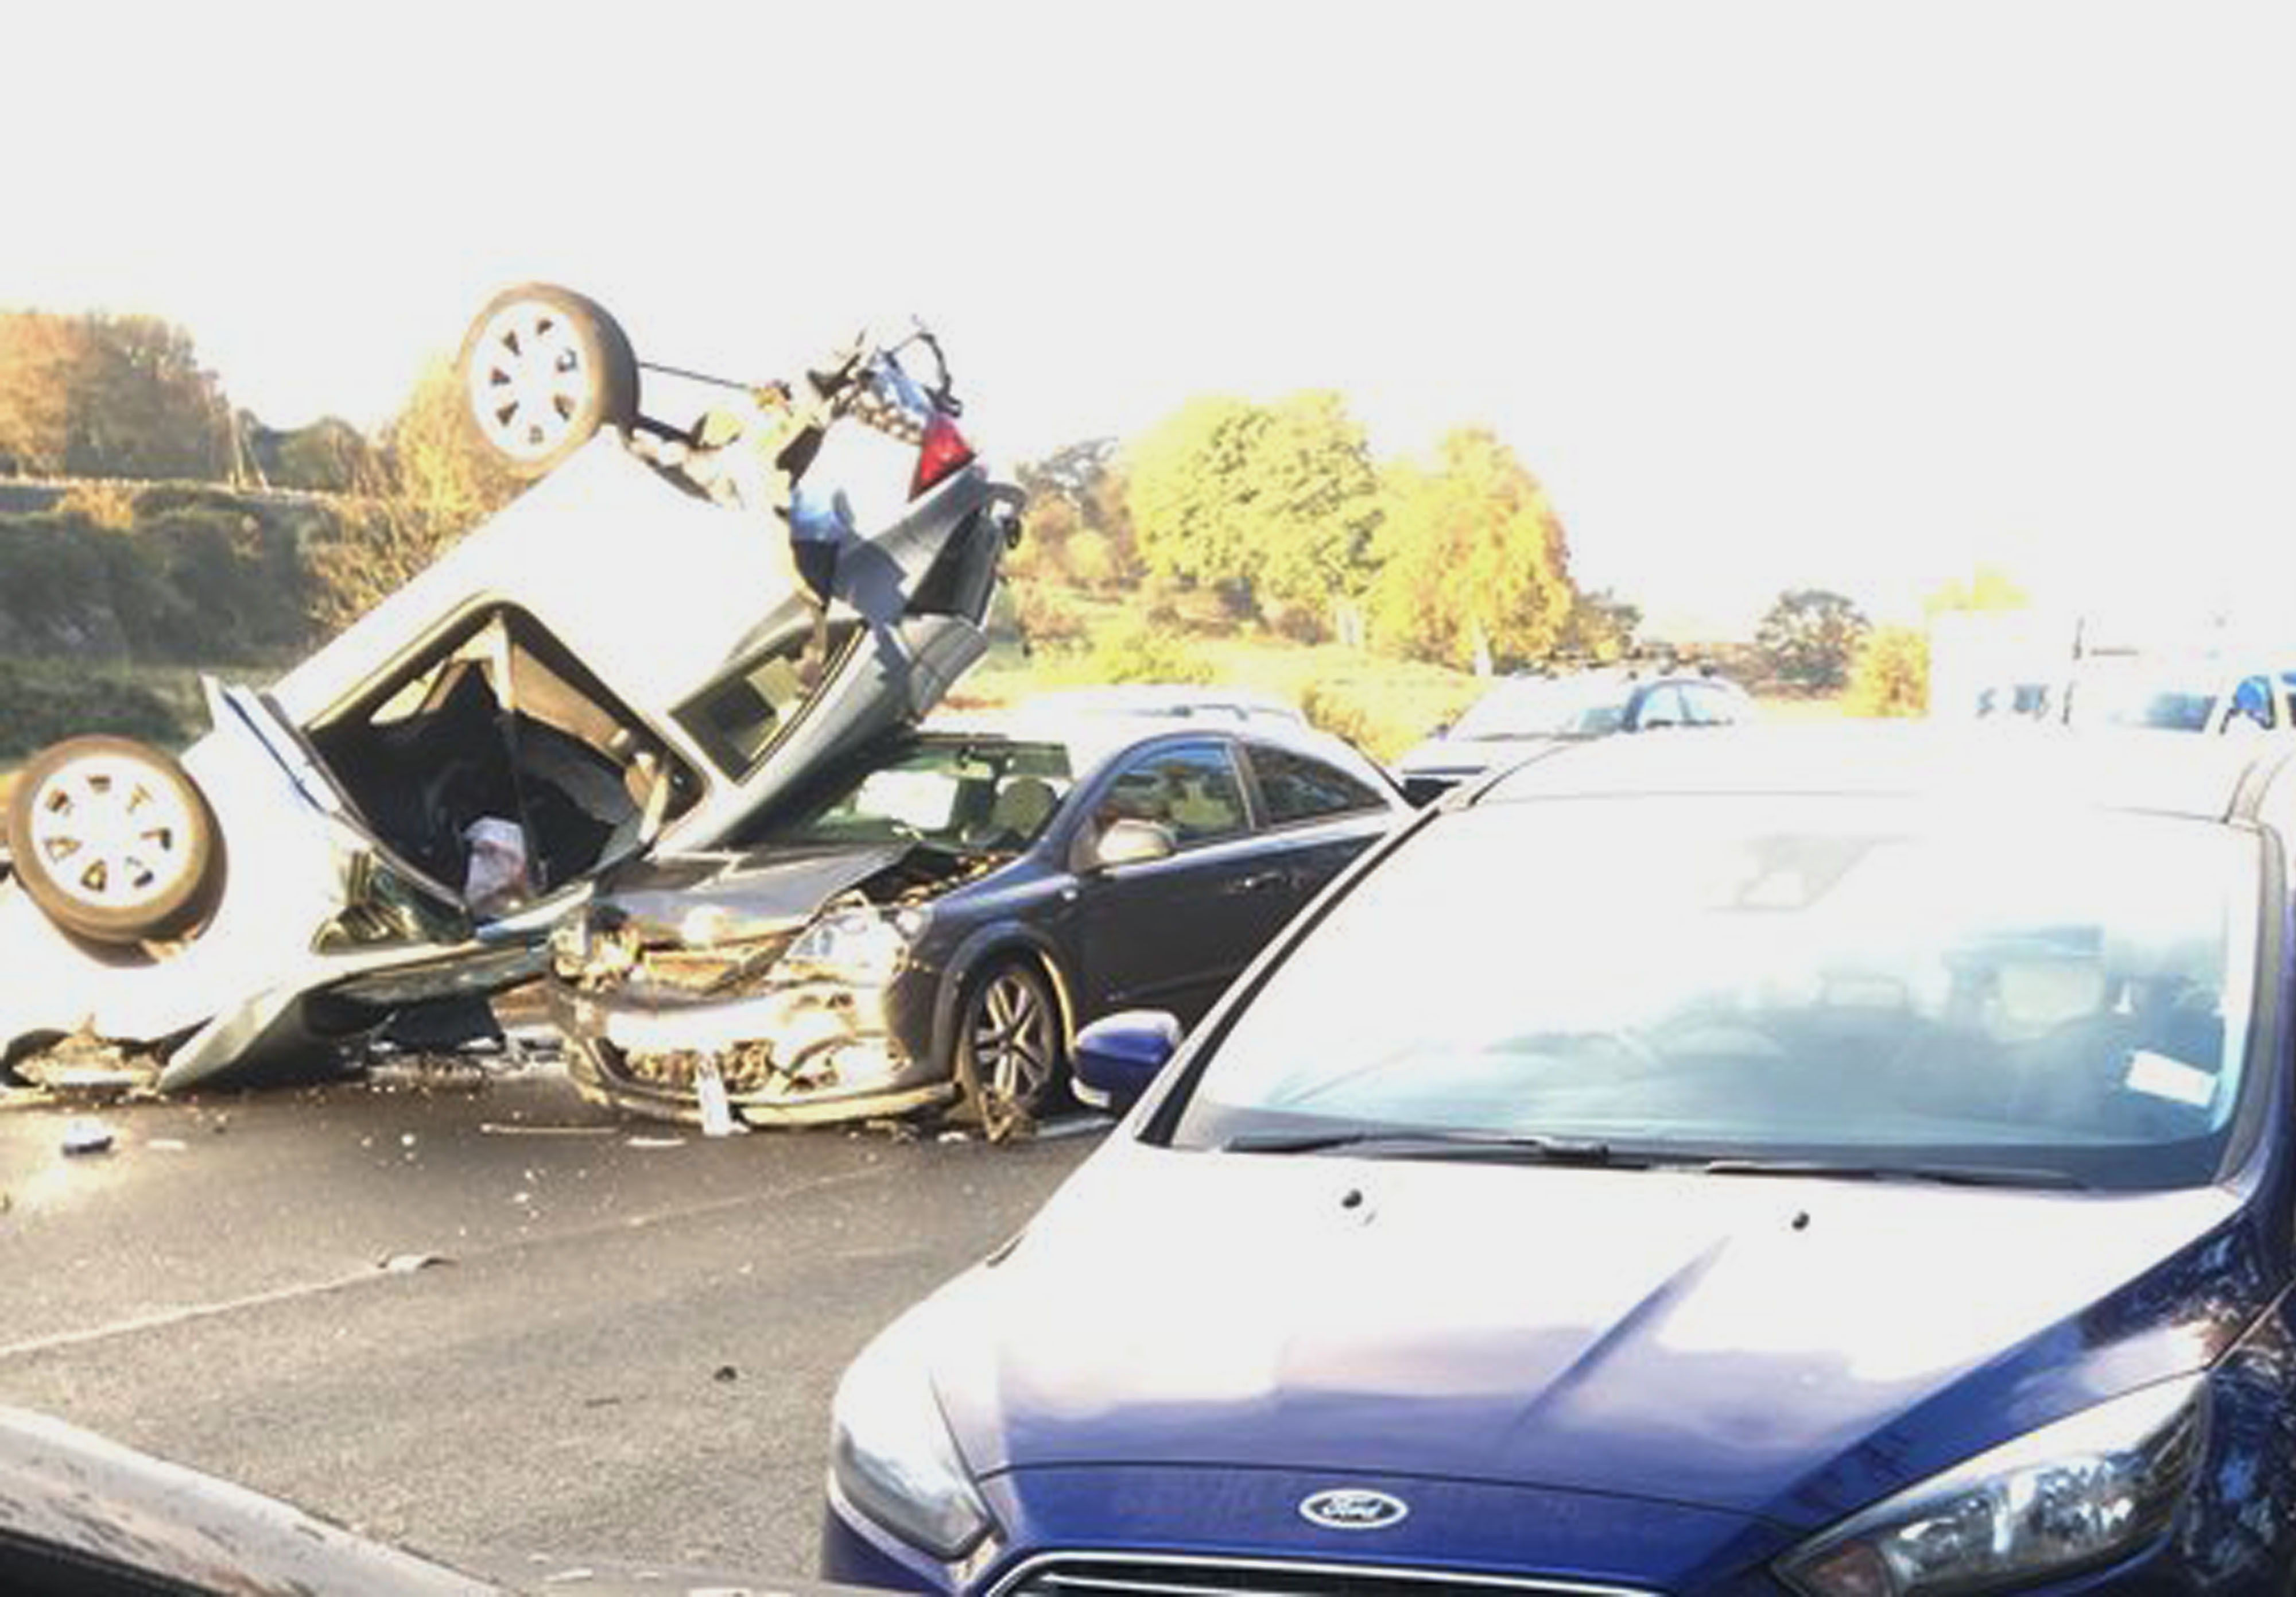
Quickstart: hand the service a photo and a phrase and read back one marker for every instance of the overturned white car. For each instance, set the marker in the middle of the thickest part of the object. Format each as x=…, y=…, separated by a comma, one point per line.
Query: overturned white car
x=625, y=657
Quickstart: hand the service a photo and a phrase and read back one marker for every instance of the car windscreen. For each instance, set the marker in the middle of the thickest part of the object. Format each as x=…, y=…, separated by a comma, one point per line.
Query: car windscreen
x=969, y=795
x=1713, y=979
x=1546, y=709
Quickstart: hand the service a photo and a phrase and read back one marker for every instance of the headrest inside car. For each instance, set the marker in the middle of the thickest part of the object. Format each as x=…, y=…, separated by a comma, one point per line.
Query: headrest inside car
x=2037, y=994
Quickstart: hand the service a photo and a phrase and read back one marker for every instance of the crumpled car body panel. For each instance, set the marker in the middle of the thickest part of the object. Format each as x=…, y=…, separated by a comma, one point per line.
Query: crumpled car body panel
x=655, y=592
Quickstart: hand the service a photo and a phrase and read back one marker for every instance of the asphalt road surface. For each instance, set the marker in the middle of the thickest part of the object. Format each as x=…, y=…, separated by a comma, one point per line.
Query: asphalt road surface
x=623, y=1356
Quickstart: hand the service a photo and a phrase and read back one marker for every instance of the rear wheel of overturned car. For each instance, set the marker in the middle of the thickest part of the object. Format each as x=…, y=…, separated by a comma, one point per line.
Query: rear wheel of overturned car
x=114, y=841
x=544, y=368
x=1010, y=1056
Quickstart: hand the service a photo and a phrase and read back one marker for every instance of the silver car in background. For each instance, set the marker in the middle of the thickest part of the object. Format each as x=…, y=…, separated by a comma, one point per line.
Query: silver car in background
x=624, y=658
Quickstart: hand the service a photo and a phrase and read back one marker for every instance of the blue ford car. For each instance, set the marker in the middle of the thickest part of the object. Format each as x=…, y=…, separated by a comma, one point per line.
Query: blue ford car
x=1782, y=1161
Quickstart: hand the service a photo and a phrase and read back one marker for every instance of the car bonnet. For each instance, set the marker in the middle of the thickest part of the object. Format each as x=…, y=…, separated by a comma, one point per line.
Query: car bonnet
x=1782, y=1347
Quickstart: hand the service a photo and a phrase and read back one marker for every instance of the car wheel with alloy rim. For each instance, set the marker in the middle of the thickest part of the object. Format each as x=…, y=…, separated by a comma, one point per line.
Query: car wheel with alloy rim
x=1010, y=1055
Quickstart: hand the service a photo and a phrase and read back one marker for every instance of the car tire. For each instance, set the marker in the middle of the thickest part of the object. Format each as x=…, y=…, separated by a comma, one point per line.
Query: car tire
x=1011, y=1058
x=544, y=369
x=114, y=841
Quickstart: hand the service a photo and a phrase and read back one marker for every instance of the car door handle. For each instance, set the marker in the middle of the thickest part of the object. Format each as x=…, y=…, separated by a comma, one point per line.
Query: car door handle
x=1258, y=882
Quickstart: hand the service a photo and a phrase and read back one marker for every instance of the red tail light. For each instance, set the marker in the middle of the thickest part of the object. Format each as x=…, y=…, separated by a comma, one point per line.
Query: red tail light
x=943, y=451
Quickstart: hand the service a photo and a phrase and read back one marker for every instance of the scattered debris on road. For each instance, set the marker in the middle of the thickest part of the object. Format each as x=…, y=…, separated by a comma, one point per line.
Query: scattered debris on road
x=86, y=1137
x=407, y=1263
x=429, y=1073
x=655, y=1143
x=498, y=1129
x=726, y=1375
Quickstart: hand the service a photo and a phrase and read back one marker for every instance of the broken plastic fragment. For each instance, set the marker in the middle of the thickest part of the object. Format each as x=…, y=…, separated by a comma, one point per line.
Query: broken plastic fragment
x=87, y=1136
x=407, y=1263
x=709, y=1091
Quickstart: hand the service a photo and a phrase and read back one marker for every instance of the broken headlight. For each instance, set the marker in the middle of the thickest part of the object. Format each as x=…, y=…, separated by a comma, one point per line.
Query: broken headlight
x=858, y=943
x=891, y=1452
x=2068, y=1496
x=593, y=948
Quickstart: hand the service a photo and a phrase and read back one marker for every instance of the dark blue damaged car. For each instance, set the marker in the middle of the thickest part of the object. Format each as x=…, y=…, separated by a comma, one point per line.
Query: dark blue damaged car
x=1783, y=1162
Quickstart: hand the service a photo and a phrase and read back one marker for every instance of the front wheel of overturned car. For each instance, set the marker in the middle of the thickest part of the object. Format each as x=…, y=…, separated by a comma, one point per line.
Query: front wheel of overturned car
x=544, y=369
x=1009, y=1056
x=114, y=841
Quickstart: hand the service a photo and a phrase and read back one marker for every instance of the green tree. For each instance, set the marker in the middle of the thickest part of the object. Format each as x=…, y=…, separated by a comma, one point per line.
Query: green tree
x=1189, y=492
x=105, y=396
x=1989, y=587
x=432, y=482
x=1893, y=674
x=329, y=456
x=1810, y=636
x=1077, y=531
x=1318, y=496
x=1600, y=627
x=1471, y=559
x=1280, y=500
x=38, y=355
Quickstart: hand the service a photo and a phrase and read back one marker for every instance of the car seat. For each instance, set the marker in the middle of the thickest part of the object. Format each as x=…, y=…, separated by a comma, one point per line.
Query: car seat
x=1024, y=803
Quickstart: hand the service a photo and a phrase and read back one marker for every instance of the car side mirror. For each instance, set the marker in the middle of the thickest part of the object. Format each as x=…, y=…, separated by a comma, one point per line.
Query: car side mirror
x=1119, y=1055
x=1130, y=842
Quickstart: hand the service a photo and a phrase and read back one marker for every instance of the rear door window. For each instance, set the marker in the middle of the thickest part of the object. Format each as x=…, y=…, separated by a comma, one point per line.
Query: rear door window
x=1661, y=707
x=1709, y=706
x=1297, y=788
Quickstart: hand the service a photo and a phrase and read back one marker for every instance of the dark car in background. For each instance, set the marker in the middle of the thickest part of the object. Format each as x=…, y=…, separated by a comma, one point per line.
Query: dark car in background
x=934, y=920
x=1523, y=714
x=1783, y=1164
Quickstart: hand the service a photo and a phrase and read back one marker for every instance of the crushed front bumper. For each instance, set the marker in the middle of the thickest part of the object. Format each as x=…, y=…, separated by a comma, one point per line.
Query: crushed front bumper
x=795, y=1054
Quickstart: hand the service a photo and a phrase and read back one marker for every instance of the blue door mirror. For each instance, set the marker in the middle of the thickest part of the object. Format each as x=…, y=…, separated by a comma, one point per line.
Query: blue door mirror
x=1118, y=1055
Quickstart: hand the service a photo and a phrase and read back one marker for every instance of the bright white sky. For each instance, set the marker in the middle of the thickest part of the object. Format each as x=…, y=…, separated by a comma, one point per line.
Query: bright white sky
x=1769, y=294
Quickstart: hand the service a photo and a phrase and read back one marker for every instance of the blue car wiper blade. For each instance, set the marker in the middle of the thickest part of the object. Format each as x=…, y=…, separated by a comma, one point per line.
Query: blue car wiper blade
x=1959, y=1176
x=1436, y=1144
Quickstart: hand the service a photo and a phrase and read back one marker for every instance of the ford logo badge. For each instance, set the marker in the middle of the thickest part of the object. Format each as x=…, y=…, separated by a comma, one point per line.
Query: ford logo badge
x=1348, y=1508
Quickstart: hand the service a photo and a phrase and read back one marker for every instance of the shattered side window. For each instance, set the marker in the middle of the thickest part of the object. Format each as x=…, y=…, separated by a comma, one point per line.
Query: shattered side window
x=739, y=718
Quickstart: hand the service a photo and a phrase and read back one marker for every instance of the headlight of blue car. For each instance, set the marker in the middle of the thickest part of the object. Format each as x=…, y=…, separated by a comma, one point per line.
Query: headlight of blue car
x=2074, y=1495
x=891, y=1455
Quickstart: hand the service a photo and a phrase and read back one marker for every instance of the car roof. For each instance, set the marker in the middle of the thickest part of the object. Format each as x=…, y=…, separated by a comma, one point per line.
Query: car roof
x=1618, y=678
x=2169, y=772
x=1173, y=701
x=1098, y=730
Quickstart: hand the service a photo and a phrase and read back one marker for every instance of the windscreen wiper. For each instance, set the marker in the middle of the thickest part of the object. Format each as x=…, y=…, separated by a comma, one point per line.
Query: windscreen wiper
x=1959, y=1176
x=1409, y=1144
